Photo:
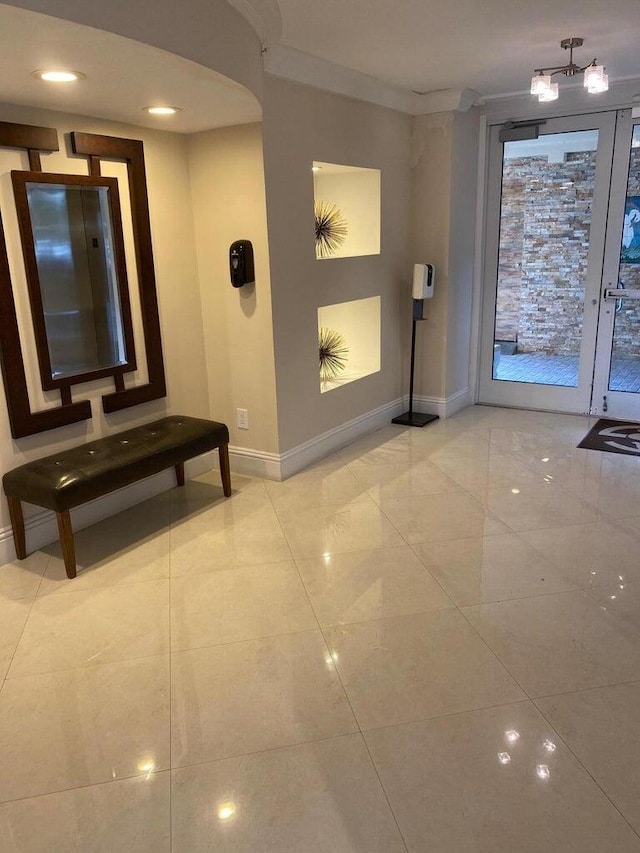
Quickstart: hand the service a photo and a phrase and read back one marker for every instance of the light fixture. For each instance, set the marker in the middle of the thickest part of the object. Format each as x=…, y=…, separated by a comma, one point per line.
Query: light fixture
x=162, y=111
x=58, y=75
x=595, y=79
x=226, y=810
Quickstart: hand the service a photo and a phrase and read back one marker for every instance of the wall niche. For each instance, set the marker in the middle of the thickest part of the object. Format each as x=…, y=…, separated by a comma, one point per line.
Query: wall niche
x=347, y=210
x=356, y=341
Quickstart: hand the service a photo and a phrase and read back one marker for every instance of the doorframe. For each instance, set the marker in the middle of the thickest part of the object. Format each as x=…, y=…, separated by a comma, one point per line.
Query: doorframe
x=520, y=107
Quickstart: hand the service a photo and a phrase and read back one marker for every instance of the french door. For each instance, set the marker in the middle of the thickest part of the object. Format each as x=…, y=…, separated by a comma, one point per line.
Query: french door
x=561, y=304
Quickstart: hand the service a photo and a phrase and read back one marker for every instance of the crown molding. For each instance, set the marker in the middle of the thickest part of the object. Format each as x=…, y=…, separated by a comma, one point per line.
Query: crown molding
x=291, y=64
x=573, y=100
x=263, y=16
x=444, y=100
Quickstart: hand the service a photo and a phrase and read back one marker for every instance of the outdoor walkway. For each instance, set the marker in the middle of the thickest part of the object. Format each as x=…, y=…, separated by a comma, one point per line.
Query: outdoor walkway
x=563, y=370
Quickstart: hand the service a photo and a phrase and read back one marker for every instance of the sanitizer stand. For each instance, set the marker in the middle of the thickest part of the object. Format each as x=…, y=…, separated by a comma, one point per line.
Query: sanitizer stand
x=411, y=418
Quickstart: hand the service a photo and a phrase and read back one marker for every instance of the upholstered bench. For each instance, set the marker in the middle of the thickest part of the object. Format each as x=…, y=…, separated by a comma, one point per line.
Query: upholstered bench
x=73, y=477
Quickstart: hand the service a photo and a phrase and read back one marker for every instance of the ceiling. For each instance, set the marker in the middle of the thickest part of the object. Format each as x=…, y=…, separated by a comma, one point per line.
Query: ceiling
x=122, y=77
x=378, y=50
x=491, y=46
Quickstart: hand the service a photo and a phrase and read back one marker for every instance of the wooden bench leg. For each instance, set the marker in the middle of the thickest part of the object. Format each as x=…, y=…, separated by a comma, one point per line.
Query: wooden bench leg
x=180, y=473
x=225, y=471
x=66, y=541
x=17, y=525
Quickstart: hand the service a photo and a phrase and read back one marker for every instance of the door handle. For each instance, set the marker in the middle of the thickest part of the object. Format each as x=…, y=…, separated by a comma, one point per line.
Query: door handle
x=621, y=293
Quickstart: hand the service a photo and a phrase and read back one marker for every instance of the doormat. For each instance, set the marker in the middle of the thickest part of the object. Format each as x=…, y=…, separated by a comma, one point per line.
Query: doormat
x=613, y=436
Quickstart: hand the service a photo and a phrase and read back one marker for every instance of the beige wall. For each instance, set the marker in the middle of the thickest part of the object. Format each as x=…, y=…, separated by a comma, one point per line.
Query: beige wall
x=302, y=125
x=227, y=187
x=462, y=219
x=444, y=173
x=177, y=283
x=430, y=205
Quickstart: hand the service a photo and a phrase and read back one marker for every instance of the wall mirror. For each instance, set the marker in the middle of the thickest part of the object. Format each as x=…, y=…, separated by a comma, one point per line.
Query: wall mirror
x=73, y=246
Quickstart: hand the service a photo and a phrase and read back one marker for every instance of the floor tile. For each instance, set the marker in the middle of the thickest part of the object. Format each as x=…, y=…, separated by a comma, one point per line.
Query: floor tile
x=13, y=618
x=622, y=599
x=302, y=490
x=21, y=578
x=388, y=482
x=260, y=694
x=126, y=815
x=468, y=444
x=192, y=635
x=436, y=518
x=91, y=627
x=335, y=529
x=115, y=553
x=237, y=537
x=532, y=507
x=491, y=471
x=590, y=554
x=491, y=568
x=413, y=667
x=619, y=496
x=83, y=726
x=557, y=643
x=238, y=604
x=323, y=797
x=390, y=446
x=484, y=782
x=362, y=585
x=601, y=728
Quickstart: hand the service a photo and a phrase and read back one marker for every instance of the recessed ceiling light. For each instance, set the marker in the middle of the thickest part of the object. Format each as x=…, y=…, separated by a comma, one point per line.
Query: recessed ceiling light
x=162, y=111
x=59, y=76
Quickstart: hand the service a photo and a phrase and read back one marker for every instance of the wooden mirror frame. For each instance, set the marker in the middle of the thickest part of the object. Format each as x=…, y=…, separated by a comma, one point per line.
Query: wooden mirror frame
x=22, y=419
x=34, y=283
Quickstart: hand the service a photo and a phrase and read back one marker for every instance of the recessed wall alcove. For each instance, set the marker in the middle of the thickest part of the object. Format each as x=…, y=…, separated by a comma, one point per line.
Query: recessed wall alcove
x=353, y=192
x=358, y=322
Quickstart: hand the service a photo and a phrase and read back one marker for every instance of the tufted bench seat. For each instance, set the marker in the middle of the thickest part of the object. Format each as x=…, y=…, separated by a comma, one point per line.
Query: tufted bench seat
x=73, y=477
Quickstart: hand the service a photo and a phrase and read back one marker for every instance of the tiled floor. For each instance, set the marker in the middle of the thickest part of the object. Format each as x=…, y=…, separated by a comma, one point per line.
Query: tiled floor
x=429, y=642
x=563, y=370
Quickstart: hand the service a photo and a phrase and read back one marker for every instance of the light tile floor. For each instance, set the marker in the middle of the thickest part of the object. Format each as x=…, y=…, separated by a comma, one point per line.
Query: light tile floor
x=429, y=642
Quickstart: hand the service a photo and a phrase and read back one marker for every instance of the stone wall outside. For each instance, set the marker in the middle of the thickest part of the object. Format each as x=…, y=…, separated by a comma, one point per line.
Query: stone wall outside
x=544, y=242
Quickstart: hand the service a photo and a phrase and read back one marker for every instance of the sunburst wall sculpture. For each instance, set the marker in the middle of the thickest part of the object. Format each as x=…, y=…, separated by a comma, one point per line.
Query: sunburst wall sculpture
x=333, y=352
x=331, y=228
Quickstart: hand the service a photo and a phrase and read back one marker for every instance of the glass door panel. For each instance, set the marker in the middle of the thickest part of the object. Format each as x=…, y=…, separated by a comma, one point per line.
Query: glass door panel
x=617, y=373
x=547, y=208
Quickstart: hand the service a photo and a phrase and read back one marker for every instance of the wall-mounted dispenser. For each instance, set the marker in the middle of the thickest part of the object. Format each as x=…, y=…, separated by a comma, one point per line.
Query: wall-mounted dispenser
x=423, y=280
x=241, y=265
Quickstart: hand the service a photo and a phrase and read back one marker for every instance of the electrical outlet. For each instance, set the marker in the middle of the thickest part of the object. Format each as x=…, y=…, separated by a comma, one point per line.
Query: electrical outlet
x=242, y=417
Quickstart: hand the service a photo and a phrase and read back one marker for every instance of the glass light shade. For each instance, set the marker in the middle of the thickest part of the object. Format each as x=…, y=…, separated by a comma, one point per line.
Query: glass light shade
x=595, y=79
x=540, y=83
x=550, y=95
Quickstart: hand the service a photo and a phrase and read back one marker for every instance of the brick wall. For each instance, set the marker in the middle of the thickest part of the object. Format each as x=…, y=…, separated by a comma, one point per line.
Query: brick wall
x=544, y=240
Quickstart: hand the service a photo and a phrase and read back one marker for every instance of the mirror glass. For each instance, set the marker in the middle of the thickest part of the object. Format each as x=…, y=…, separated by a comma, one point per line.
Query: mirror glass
x=77, y=276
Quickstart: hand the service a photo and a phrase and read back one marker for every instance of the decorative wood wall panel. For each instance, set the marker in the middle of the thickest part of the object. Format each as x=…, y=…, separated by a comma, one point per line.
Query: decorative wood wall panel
x=22, y=420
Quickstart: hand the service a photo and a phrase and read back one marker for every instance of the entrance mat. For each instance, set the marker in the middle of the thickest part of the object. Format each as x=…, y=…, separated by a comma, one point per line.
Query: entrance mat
x=614, y=436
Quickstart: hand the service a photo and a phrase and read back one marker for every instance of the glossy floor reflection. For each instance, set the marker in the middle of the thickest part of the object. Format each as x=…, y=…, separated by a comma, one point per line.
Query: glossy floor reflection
x=429, y=641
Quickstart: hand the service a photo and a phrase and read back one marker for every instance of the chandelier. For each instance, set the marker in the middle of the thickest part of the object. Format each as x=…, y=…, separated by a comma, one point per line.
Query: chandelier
x=595, y=79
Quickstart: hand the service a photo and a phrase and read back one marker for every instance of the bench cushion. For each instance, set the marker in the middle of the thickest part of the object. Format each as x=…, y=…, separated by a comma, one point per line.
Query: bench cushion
x=72, y=477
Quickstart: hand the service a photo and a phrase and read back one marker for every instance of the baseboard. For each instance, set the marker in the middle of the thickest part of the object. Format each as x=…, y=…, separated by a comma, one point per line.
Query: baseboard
x=444, y=407
x=305, y=454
